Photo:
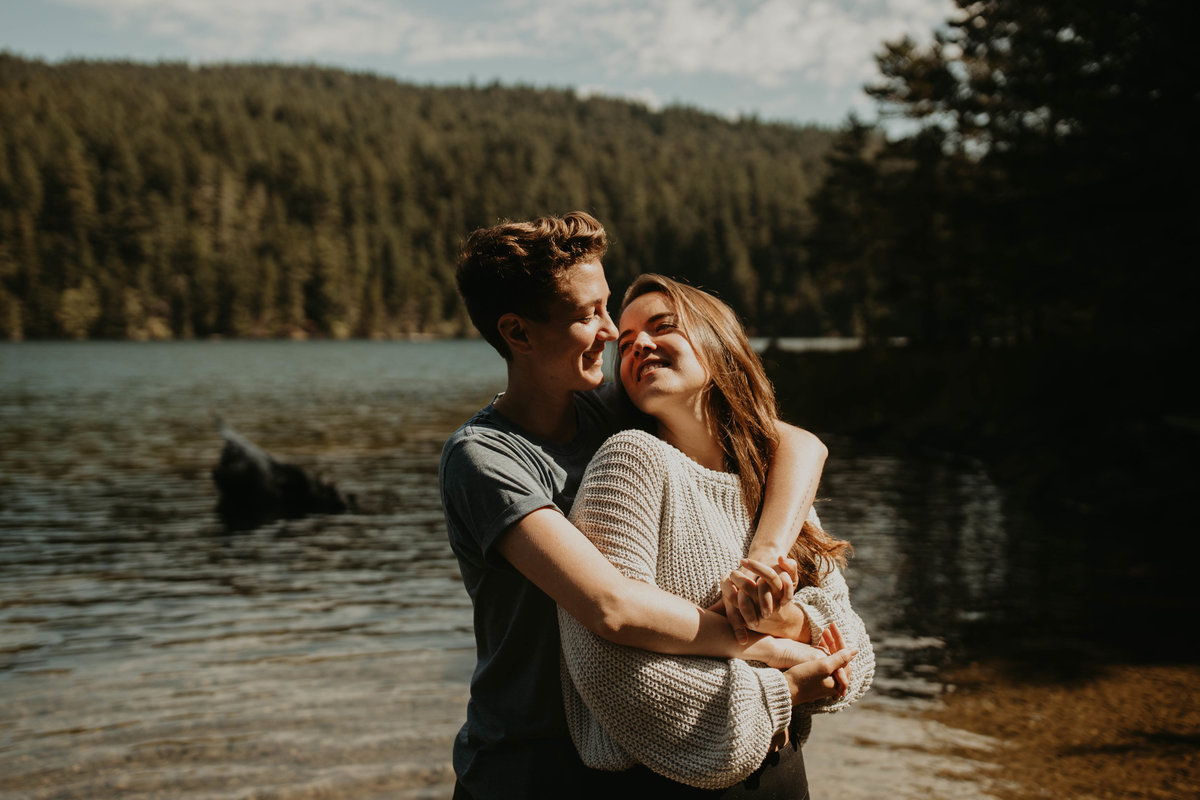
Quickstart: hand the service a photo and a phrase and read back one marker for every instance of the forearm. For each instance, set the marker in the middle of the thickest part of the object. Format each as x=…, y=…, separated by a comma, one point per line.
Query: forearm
x=649, y=618
x=791, y=488
x=789, y=622
x=553, y=554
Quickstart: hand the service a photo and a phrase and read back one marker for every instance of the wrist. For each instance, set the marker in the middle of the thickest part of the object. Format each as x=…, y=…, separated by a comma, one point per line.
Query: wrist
x=796, y=623
x=774, y=651
x=793, y=686
x=768, y=549
x=788, y=623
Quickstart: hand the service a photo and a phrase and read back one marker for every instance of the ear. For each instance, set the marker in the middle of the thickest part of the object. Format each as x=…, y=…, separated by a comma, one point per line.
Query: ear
x=514, y=332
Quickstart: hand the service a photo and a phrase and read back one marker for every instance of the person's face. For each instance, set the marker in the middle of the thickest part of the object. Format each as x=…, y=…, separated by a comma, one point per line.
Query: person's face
x=570, y=343
x=660, y=369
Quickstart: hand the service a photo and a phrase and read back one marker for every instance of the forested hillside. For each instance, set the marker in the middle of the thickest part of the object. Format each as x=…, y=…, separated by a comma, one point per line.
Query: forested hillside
x=165, y=201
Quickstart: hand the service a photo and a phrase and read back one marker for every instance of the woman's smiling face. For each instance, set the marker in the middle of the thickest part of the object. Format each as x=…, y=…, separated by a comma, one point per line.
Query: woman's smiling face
x=659, y=365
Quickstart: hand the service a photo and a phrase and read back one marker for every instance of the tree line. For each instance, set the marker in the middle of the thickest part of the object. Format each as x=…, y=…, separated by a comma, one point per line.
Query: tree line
x=1044, y=193
x=1040, y=190
x=165, y=201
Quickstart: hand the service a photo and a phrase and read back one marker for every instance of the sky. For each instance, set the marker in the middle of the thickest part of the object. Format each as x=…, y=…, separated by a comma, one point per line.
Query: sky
x=797, y=61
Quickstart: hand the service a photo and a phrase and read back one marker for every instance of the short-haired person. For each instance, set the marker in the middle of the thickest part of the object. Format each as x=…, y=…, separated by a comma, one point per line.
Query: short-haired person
x=537, y=292
x=675, y=508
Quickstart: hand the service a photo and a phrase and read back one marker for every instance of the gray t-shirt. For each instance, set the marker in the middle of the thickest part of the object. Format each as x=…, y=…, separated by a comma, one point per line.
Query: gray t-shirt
x=492, y=475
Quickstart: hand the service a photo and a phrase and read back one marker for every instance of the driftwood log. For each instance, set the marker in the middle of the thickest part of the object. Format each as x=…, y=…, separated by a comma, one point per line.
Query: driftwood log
x=255, y=487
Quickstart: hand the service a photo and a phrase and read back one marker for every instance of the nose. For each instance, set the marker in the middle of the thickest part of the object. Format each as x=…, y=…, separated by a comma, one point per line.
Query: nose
x=642, y=343
x=608, y=328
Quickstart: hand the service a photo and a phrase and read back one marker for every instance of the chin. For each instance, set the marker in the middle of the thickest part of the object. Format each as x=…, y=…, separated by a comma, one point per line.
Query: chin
x=593, y=380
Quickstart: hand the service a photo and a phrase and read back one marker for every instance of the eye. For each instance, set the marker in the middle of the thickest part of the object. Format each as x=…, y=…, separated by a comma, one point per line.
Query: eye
x=623, y=348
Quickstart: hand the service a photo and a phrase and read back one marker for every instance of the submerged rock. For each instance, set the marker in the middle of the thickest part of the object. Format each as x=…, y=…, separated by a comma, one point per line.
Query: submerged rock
x=255, y=487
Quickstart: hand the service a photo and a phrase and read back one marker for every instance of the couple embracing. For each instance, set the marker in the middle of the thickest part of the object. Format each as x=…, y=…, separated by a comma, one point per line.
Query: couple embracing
x=657, y=609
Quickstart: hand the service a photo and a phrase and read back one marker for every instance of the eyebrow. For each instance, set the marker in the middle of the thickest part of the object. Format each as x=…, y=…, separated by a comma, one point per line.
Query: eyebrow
x=586, y=306
x=653, y=319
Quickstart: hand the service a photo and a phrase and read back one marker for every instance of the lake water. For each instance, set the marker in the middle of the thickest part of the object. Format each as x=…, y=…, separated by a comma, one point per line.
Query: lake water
x=145, y=652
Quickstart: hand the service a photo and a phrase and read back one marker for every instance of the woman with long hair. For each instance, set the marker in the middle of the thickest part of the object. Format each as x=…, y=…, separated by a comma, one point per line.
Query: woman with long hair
x=677, y=509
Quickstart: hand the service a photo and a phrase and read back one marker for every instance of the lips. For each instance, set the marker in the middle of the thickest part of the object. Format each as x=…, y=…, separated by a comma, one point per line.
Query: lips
x=650, y=365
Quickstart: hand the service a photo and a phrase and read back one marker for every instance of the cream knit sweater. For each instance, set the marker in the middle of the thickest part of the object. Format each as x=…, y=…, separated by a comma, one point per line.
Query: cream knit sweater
x=662, y=518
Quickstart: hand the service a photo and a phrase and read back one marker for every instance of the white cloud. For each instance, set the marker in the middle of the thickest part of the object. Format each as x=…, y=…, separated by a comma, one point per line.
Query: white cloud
x=770, y=41
x=765, y=45
x=645, y=95
x=269, y=28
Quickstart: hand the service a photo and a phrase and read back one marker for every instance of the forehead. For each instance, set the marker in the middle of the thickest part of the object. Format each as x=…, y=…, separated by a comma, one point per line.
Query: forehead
x=646, y=307
x=582, y=285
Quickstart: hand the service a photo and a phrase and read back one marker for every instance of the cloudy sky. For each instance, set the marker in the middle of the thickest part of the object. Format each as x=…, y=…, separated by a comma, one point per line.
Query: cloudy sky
x=792, y=60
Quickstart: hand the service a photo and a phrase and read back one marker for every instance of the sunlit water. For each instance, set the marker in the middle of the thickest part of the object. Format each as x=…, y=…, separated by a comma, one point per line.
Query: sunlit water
x=146, y=652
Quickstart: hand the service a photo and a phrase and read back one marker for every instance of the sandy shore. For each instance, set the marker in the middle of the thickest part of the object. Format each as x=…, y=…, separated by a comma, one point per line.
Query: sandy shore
x=1120, y=731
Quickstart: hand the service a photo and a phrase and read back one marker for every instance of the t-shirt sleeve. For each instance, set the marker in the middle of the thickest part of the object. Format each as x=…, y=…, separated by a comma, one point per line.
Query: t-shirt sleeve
x=487, y=486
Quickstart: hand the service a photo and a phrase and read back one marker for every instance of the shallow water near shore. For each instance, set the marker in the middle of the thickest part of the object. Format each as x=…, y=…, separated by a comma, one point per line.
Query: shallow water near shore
x=147, y=652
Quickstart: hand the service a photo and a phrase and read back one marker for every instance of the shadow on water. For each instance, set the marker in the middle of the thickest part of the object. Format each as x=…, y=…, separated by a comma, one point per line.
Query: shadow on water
x=146, y=652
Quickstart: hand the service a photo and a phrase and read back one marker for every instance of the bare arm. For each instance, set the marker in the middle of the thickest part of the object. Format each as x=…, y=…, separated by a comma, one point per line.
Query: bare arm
x=546, y=548
x=790, y=491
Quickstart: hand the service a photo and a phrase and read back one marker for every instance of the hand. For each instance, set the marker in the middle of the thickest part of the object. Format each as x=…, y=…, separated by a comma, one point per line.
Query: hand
x=759, y=597
x=832, y=642
x=816, y=680
x=780, y=653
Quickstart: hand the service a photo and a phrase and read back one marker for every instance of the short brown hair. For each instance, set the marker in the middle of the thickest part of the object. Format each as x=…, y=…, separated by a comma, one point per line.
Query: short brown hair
x=514, y=267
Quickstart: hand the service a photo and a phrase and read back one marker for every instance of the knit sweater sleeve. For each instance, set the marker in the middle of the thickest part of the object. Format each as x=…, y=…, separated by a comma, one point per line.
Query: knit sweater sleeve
x=705, y=722
x=830, y=603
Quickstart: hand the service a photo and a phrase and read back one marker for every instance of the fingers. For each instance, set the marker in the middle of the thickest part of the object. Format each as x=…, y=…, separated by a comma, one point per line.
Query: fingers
x=766, y=599
x=747, y=596
x=789, y=588
x=768, y=588
x=789, y=566
x=842, y=679
x=746, y=606
x=733, y=613
x=768, y=574
x=838, y=660
x=779, y=582
x=831, y=639
x=818, y=680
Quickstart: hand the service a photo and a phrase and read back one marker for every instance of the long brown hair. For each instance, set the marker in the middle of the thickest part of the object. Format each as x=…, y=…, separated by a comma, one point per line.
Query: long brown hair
x=739, y=405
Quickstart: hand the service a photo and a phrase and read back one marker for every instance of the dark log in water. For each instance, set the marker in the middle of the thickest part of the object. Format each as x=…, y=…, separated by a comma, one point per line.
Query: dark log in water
x=255, y=487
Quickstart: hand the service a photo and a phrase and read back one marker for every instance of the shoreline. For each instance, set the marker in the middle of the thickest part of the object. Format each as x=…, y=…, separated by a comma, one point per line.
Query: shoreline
x=1108, y=731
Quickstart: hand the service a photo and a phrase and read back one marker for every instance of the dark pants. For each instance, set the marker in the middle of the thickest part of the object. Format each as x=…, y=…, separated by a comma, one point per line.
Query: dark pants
x=781, y=777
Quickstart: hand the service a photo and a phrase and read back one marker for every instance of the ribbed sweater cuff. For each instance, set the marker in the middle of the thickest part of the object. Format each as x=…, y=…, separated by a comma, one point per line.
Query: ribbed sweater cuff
x=817, y=621
x=778, y=697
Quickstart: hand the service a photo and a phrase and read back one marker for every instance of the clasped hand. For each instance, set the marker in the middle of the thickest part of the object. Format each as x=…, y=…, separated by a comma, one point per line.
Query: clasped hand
x=759, y=598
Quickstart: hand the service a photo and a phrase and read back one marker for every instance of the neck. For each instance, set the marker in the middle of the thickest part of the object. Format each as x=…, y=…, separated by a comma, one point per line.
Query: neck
x=543, y=410
x=691, y=435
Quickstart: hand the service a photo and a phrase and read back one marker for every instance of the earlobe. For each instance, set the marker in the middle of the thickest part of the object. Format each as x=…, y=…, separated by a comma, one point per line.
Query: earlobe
x=512, y=329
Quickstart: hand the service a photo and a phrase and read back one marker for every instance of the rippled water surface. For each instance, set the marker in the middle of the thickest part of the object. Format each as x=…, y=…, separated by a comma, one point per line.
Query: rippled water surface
x=147, y=652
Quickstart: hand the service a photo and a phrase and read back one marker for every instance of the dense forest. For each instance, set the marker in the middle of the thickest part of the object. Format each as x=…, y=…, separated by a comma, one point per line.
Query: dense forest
x=164, y=201
x=1043, y=192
